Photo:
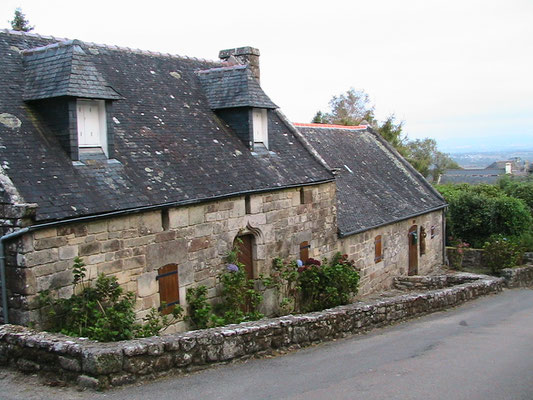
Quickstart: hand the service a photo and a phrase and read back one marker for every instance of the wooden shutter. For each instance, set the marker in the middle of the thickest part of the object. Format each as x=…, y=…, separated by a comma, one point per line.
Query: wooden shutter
x=378, y=249
x=422, y=240
x=304, y=251
x=168, y=287
x=88, y=124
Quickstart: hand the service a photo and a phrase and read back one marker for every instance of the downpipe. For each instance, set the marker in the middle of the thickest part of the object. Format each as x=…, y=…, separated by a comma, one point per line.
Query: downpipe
x=3, y=239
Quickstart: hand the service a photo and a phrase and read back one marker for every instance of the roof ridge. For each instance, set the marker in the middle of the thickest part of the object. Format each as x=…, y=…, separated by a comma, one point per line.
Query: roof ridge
x=50, y=46
x=217, y=69
x=108, y=46
x=330, y=126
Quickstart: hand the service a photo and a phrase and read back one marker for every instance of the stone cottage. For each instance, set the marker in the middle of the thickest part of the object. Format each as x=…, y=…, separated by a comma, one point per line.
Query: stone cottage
x=149, y=166
x=390, y=219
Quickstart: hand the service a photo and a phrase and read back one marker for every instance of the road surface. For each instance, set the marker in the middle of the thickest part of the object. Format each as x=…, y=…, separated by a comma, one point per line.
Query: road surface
x=482, y=350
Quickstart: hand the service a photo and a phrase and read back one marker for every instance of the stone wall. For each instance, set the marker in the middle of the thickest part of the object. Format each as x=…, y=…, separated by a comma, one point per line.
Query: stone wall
x=475, y=258
x=432, y=282
x=378, y=276
x=518, y=277
x=101, y=365
x=195, y=237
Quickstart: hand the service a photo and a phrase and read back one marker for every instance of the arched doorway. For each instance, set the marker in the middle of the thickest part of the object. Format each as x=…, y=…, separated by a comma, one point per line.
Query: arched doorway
x=413, y=250
x=244, y=244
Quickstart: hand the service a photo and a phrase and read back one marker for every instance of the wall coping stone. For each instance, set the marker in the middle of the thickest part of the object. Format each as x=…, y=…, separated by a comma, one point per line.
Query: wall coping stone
x=101, y=365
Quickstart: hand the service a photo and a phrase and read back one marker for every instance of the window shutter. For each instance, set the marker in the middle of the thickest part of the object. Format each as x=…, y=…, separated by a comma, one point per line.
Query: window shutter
x=304, y=251
x=378, y=249
x=423, y=235
x=168, y=287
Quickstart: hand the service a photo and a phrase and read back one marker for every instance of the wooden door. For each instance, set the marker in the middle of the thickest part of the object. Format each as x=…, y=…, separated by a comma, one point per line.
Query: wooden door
x=245, y=246
x=168, y=287
x=413, y=250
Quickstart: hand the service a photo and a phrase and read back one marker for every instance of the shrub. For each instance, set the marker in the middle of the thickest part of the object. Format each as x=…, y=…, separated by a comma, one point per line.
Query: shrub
x=509, y=216
x=240, y=299
x=501, y=253
x=477, y=212
x=101, y=312
x=328, y=284
x=284, y=278
x=470, y=217
x=456, y=254
x=199, y=308
x=520, y=190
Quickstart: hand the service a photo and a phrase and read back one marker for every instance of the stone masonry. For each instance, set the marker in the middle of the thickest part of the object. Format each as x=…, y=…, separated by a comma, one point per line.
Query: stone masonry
x=378, y=276
x=100, y=365
x=195, y=237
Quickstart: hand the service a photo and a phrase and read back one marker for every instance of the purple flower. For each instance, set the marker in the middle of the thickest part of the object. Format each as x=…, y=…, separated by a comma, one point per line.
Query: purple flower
x=232, y=268
x=299, y=263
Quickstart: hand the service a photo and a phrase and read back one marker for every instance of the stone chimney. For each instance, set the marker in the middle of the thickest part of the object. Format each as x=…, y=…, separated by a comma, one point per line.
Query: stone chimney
x=508, y=168
x=246, y=55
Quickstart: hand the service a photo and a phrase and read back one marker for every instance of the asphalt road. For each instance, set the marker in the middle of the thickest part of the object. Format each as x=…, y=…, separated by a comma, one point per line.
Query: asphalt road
x=481, y=350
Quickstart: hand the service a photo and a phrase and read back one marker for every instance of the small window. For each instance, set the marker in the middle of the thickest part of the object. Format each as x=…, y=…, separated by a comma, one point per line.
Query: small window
x=165, y=219
x=433, y=231
x=91, y=120
x=422, y=240
x=378, y=249
x=247, y=204
x=168, y=287
x=260, y=127
x=306, y=196
x=304, y=251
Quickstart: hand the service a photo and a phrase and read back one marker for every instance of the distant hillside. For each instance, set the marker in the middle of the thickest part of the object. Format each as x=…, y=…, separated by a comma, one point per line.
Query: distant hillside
x=482, y=160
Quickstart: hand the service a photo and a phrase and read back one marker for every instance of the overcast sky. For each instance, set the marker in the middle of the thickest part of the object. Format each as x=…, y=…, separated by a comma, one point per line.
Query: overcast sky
x=459, y=71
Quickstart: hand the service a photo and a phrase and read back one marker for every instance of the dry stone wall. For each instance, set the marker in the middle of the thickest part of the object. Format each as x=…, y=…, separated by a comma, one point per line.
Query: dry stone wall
x=377, y=276
x=195, y=237
x=100, y=365
x=518, y=277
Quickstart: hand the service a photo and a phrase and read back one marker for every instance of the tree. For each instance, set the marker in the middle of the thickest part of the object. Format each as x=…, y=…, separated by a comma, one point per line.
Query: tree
x=20, y=23
x=350, y=108
x=392, y=133
x=354, y=108
x=320, y=118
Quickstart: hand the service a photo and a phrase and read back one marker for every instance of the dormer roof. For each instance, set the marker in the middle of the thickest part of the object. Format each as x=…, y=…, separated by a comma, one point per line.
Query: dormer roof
x=63, y=69
x=230, y=87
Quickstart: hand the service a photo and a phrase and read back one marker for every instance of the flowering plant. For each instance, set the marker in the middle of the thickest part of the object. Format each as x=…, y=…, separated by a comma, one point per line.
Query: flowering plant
x=232, y=268
x=456, y=253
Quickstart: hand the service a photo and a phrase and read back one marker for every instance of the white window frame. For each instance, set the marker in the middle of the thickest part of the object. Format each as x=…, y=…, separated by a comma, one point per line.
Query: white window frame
x=260, y=126
x=101, y=141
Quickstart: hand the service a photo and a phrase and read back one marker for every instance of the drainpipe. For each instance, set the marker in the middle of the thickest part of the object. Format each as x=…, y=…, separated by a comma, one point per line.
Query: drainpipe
x=3, y=269
x=444, y=235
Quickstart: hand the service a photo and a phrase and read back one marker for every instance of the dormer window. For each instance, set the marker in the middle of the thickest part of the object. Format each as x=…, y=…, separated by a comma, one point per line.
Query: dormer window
x=92, y=126
x=260, y=127
x=67, y=91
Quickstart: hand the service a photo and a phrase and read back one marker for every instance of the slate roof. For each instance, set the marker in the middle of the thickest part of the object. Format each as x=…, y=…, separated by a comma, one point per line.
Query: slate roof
x=472, y=176
x=229, y=87
x=63, y=69
x=375, y=185
x=170, y=147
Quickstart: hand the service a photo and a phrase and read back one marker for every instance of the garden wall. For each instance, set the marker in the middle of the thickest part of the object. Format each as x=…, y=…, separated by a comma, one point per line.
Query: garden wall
x=475, y=258
x=101, y=365
x=518, y=277
x=377, y=276
x=195, y=237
